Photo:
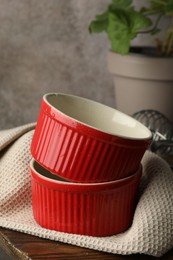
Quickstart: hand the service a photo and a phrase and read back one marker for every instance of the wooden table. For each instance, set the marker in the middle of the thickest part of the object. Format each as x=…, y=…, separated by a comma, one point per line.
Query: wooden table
x=19, y=246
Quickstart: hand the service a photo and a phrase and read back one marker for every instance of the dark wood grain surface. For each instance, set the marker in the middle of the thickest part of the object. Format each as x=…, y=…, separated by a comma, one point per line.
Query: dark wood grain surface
x=20, y=246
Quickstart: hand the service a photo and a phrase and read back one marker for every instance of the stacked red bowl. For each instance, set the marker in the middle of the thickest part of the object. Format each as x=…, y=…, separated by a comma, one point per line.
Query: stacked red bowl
x=86, y=166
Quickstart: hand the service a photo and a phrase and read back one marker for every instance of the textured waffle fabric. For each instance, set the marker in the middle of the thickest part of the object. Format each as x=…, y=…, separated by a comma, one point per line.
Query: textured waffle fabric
x=150, y=233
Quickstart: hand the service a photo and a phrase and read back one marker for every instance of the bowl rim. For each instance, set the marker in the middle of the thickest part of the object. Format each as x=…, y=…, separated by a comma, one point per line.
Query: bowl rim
x=118, y=135
x=81, y=185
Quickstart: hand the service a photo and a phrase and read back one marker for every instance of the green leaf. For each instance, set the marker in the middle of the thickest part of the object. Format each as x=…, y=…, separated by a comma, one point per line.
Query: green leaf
x=169, y=7
x=157, y=6
x=97, y=26
x=162, y=6
x=139, y=21
x=122, y=3
x=100, y=23
x=121, y=15
x=119, y=33
x=102, y=17
x=158, y=3
x=123, y=26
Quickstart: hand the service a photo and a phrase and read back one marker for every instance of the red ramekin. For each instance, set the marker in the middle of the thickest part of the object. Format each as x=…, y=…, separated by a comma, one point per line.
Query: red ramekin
x=85, y=141
x=93, y=209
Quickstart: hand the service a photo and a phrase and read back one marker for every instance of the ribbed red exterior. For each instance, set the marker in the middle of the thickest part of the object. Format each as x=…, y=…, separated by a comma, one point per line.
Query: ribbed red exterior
x=106, y=210
x=78, y=156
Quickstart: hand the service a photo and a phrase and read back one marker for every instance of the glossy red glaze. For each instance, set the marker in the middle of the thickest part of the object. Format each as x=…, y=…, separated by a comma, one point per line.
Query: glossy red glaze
x=94, y=209
x=80, y=153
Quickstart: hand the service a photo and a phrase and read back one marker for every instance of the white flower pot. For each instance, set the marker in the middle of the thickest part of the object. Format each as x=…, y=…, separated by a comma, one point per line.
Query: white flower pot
x=142, y=82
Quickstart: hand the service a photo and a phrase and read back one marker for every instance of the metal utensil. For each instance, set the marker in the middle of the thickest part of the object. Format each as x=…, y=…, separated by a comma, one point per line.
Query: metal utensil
x=161, y=128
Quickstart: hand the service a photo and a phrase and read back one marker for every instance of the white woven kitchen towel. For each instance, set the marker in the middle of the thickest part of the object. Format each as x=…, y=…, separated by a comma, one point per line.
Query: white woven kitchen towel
x=152, y=228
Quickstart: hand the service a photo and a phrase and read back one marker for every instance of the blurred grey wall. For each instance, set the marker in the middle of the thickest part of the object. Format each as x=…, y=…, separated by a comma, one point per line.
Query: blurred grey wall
x=45, y=47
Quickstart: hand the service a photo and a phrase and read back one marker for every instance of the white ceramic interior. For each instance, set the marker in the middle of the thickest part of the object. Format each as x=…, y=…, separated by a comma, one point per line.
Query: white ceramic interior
x=98, y=116
x=50, y=177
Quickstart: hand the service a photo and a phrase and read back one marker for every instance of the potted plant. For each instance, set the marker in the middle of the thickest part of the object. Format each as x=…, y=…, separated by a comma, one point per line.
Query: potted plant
x=143, y=75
